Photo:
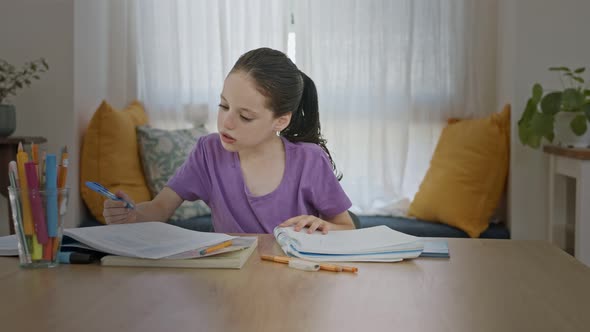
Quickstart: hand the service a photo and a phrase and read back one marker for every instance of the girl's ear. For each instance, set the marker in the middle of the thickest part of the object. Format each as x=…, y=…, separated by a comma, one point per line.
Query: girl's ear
x=282, y=122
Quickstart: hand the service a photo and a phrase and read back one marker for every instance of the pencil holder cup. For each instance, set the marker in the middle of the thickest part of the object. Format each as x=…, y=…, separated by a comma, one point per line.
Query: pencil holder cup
x=38, y=217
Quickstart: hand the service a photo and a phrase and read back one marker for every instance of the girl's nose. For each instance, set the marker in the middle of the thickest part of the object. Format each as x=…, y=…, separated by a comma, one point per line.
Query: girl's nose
x=229, y=121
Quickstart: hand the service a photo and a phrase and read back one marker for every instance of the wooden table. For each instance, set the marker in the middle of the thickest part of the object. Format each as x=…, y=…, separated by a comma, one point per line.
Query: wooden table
x=486, y=285
x=8, y=149
x=573, y=163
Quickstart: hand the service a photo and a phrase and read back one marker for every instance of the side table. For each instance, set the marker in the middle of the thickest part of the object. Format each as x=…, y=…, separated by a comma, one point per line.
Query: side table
x=571, y=163
x=8, y=149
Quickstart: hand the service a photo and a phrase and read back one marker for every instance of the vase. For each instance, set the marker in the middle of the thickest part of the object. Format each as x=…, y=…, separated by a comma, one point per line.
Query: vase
x=564, y=135
x=7, y=120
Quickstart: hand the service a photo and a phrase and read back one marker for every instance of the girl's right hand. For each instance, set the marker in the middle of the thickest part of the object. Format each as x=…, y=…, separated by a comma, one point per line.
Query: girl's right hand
x=115, y=212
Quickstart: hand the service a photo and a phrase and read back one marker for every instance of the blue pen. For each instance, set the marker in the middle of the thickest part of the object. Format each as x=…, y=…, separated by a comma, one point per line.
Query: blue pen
x=106, y=193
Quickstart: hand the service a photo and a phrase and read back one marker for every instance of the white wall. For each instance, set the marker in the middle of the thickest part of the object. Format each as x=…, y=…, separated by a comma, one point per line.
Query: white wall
x=31, y=29
x=85, y=43
x=535, y=35
x=89, y=63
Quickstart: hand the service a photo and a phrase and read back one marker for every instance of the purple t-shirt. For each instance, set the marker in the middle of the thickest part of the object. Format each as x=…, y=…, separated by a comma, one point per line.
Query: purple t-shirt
x=213, y=174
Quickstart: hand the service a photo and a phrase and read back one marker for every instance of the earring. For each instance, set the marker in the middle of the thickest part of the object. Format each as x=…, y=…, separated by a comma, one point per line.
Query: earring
x=278, y=133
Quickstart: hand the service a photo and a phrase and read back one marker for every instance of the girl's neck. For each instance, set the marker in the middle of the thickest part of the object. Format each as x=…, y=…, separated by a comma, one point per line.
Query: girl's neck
x=267, y=150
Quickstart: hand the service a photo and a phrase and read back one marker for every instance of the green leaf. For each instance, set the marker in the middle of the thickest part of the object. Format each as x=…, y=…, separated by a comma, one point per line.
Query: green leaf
x=529, y=112
x=587, y=93
x=579, y=70
x=524, y=133
x=551, y=103
x=559, y=69
x=586, y=110
x=542, y=124
x=572, y=100
x=550, y=137
x=578, y=125
x=534, y=142
x=537, y=93
x=578, y=79
x=44, y=63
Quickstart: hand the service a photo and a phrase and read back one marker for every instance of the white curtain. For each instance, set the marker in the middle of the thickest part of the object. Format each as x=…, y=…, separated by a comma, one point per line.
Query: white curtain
x=389, y=74
x=185, y=48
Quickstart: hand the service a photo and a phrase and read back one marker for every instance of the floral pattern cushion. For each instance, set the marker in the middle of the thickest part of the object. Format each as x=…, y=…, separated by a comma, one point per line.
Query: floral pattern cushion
x=162, y=152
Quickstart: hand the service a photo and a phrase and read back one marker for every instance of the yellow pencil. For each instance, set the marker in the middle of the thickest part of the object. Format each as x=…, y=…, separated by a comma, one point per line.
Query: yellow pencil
x=21, y=158
x=216, y=247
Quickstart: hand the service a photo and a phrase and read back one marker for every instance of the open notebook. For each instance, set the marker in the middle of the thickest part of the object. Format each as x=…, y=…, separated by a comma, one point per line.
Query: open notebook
x=373, y=244
x=159, y=244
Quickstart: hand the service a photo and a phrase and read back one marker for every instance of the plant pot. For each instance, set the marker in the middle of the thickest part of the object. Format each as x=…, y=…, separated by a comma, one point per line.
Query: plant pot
x=564, y=135
x=7, y=120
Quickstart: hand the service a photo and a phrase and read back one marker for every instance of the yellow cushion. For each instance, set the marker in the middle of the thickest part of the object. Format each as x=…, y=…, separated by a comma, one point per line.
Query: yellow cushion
x=467, y=174
x=110, y=155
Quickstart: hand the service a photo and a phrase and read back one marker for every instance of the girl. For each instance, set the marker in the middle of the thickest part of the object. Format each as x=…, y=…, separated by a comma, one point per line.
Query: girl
x=267, y=166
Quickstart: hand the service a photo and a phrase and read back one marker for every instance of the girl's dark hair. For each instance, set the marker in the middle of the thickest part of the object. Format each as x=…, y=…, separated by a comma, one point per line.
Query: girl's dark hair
x=288, y=90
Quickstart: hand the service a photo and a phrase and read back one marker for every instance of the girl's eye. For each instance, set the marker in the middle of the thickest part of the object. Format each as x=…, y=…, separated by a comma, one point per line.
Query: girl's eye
x=223, y=107
x=245, y=118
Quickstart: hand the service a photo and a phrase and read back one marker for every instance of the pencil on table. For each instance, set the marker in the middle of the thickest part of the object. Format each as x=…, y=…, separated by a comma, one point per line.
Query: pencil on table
x=278, y=259
x=323, y=266
x=216, y=247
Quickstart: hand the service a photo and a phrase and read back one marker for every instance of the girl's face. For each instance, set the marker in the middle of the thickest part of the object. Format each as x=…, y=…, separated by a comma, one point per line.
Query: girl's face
x=243, y=119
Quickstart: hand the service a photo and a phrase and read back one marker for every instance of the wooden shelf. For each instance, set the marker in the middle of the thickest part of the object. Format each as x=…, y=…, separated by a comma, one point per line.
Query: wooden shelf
x=574, y=153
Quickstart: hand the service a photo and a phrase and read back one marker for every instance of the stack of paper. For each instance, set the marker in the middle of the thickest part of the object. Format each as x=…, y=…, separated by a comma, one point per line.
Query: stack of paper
x=373, y=244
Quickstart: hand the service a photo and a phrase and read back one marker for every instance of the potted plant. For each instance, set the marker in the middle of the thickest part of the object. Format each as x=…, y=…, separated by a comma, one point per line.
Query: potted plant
x=560, y=115
x=12, y=80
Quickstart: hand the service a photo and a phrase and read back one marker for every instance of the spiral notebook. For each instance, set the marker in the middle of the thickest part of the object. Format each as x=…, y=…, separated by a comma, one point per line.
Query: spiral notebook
x=373, y=244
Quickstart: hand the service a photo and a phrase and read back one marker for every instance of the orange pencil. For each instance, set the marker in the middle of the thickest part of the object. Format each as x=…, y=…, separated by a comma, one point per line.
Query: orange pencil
x=216, y=247
x=278, y=259
x=63, y=169
x=35, y=156
x=323, y=266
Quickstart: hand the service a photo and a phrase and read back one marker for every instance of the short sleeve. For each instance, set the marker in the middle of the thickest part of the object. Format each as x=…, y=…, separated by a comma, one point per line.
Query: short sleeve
x=328, y=196
x=192, y=180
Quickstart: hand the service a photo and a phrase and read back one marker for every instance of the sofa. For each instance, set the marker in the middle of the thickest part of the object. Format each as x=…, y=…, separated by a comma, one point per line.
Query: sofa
x=122, y=152
x=410, y=226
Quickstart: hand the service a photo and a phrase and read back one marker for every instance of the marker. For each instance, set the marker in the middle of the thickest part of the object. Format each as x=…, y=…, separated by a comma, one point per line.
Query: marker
x=71, y=257
x=97, y=187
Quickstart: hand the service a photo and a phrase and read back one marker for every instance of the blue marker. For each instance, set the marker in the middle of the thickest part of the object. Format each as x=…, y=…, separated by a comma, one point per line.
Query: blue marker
x=104, y=191
x=51, y=189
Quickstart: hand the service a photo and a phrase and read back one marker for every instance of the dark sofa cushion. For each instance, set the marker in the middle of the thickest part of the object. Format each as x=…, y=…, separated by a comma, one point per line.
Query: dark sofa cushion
x=201, y=223
x=422, y=228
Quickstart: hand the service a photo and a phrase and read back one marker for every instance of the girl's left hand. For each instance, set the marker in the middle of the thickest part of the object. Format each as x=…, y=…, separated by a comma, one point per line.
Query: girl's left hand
x=312, y=222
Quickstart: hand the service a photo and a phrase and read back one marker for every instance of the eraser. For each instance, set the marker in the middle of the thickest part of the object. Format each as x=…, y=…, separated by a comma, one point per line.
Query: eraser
x=300, y=264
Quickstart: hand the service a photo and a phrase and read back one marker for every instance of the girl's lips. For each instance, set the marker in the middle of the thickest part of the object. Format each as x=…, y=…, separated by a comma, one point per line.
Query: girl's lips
x=227, y=139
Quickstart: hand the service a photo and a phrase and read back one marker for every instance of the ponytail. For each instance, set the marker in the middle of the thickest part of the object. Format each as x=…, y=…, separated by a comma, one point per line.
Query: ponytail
x=288, y=90
x=305, y=121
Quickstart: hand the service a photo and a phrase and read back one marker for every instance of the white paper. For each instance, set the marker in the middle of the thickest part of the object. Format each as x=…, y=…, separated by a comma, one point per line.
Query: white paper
x=8, y=245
